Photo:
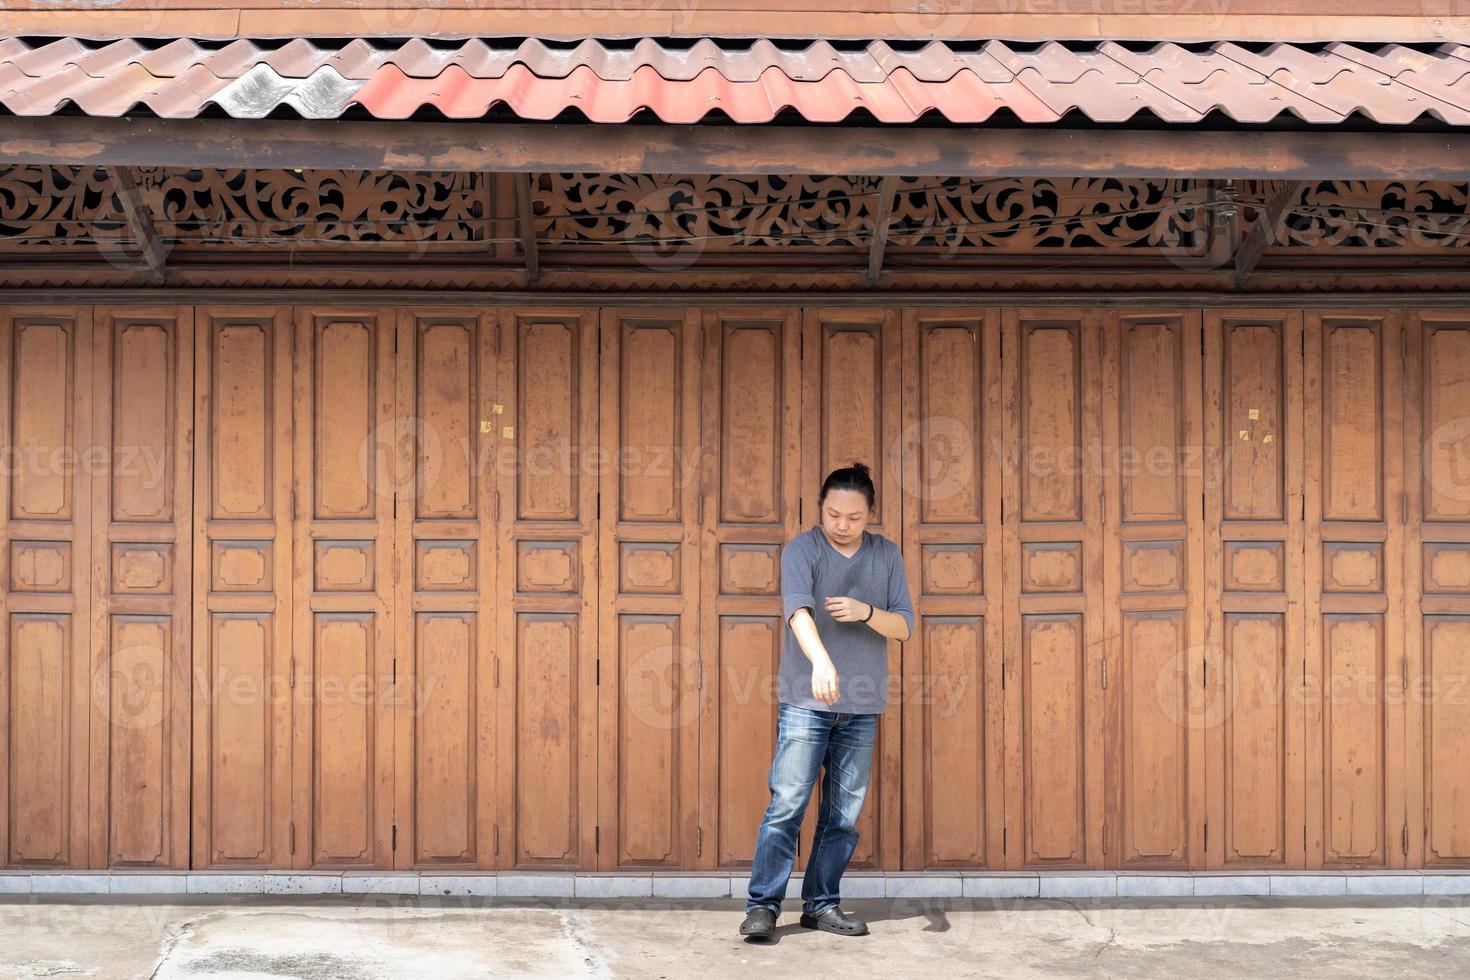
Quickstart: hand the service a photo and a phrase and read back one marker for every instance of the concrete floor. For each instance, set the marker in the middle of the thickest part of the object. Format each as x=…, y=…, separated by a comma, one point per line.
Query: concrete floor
x=449, y=938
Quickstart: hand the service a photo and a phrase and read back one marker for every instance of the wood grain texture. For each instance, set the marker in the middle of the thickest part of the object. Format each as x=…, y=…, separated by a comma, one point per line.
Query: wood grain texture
x=141, y=624
x=46, y=359
x=1153, y=582
x=342, y=577
x=851, y=411
x=1304, y=20
x=444, y=590
x=649, y=584
x=561, y=148
x=953, y=795
x=547, y=710
x=1255, y=651
x=750, y=498
x=1051, y=405
x=393, y=586
x=243, y=370
x=1436, y=598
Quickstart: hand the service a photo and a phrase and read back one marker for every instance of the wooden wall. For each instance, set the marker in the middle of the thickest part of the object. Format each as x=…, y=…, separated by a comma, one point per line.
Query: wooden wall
x=370, y=587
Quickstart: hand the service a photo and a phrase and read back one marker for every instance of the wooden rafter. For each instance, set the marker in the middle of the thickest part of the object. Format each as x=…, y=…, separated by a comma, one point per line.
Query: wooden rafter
x=881, y=213
x=1267, y=224
x=629, y=148
x=1221, y=222
x=526, y=226
x=140, y=222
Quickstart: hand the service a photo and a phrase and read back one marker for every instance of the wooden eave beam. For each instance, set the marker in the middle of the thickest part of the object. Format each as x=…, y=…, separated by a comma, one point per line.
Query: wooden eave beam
x=881, y=213
x=630, y=148
x=526, y=226
x=1267, y=225
x=1246, y=20
x=140, y=221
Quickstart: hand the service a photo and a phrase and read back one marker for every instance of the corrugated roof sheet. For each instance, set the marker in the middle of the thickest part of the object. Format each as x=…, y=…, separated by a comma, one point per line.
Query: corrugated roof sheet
x=682, y=82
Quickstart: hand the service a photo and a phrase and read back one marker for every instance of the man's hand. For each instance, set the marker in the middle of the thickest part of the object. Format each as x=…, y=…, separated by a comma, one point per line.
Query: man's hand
x=846, y=609
x=824, y=680
x=824, y=673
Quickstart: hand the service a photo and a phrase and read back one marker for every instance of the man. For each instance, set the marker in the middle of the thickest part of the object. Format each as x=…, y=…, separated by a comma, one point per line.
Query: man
x=845, y=595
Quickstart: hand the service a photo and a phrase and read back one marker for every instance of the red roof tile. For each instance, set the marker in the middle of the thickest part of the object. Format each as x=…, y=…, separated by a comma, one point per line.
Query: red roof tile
x=685, y=82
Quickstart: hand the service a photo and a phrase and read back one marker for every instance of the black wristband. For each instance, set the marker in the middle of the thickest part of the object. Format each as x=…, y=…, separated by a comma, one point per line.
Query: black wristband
x=871, y=609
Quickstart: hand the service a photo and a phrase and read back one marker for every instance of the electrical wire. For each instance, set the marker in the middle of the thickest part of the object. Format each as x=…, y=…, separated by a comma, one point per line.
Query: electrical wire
x=858, y=232
x=949, y=184
x=952, y=184
x=815, y=236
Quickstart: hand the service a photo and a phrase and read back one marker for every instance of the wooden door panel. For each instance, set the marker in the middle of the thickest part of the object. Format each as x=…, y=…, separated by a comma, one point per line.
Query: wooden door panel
x=648, y=700
x=242, y=583
x=1053, y=722
x=1255, y=662
x=142, y=557
x=444, y=589
x=952, y=724
x=852, y=411
x=1353, y=400
x=547, y=589
x=340, y=522
x=1053, y=617
x=751, y=488
x=743, y=742
x=46, y=398
x=343, y=575
x=1436, y=594
x=1154, y=587
x=1445, y=837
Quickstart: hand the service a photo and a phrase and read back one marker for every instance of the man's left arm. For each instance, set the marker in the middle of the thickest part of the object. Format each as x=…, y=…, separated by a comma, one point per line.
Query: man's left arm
x=897, y=621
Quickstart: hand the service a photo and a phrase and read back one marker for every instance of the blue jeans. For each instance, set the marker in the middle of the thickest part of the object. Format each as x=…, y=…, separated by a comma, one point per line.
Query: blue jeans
x=807, y=740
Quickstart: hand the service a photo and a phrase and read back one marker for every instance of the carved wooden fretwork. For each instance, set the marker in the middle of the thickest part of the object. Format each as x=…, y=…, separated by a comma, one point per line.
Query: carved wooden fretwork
x=1017, y=214
x=55, y=207
x=1402, y=215
x=1000, y=214
x=703, y=212
x=61, y=207
x=76, y=209
x=728, y=212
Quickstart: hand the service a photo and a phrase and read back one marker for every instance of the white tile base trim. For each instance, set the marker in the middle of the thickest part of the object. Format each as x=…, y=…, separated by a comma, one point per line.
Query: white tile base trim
x=715, y=885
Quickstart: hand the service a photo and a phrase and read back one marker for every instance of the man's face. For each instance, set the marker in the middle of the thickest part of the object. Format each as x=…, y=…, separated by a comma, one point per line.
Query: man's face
x=844, y=516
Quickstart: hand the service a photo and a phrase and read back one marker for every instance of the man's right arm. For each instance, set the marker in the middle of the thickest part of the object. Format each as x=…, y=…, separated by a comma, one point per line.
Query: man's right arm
x=807, y=636
x=796, y=595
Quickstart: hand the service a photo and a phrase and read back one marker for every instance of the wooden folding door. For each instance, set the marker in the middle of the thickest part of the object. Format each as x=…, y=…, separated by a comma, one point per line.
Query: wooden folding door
x=243, y=590
x=751, y=492
x=953, y=815
x=1255, y=650
x=1437, y=588
x=1052, y=524
x=544, y=464
x=1152, y=469
x=45, y=638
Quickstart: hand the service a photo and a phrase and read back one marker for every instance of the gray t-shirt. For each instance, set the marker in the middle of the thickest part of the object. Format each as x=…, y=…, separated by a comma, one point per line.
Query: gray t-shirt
x=812, y=570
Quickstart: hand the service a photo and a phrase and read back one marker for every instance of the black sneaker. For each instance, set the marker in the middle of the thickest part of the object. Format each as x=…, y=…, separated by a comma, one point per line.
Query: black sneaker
x=835, y=921
x=760, y=923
